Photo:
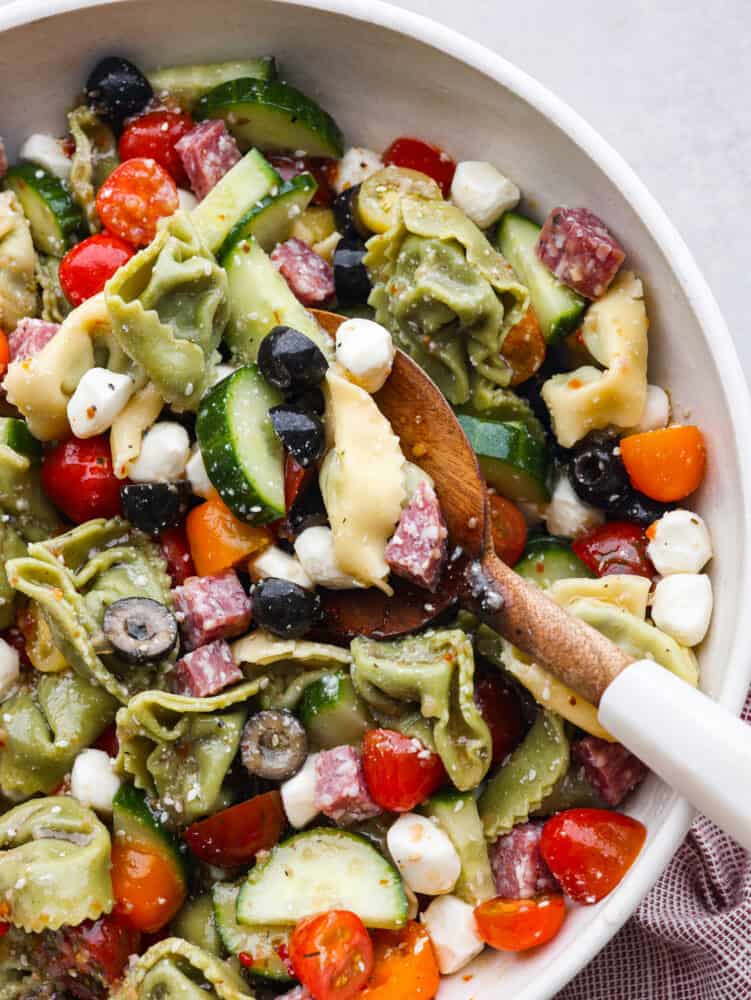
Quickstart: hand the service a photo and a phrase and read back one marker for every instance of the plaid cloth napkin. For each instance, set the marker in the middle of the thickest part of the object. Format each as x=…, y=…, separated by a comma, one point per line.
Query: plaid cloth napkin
x=690, y=939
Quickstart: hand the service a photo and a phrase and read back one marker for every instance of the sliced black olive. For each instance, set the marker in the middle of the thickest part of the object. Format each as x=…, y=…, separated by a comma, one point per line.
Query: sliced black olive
x=302, y=434
x=285, y=609
x=310, y=401
x=350, y=274
x=641, y=509
x=152, y=507
x=140, y=630
x=348, y=220
x=274, y=745
x=117, y=89
x=597, y=473
x=291, y=361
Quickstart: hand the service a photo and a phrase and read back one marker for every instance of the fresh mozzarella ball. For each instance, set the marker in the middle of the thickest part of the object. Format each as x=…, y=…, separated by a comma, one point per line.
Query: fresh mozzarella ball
x=47, y=152
x=356, y=166
x=187, y=200
x=10, y=668
x=453, y=930
x=682, y=606
x=93, y=780
x=656, y=413
x=275, y=562
x=165, y=451
x=568, y=516
x=315, y=550
x=195, y=470
x=680, y=543
x=482, y=192
x=366, y=352
x=299, y=795
x=100, y=397
x=424, y=855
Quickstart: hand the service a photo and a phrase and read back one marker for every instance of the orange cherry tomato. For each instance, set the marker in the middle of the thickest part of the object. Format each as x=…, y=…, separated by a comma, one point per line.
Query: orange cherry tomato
x=425, y=157
x=509, y=528
x=218, y=540
x=4, y=354
x=667, y=464
x=134, y=198
x=148, y=889
x=234, y=836
x=405, y=966
x=520, y=924
x=590, y=850
x=86, y=269
x=400, y=771
x=332, y=954
x=524, y=347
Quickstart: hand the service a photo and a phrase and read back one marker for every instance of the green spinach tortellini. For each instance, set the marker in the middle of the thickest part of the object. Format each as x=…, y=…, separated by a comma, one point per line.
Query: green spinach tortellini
x=435, y=671
x=174, y=969
x=94, y=159
x=169, y=308
x=54, y=864
x=18, y=291
x=23, y=499
x=446, y=294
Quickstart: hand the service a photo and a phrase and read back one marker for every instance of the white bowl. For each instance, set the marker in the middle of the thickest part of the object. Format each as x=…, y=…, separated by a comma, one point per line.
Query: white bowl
x=384, y=72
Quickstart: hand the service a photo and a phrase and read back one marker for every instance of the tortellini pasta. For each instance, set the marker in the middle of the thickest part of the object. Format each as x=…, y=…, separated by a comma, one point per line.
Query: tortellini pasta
x=54, y=864
x=11, y=547
x=174, y=969
x=130, y=425
x=55, y=307
x=615, y=334
x=169, y=308
x=446, y=294
x=22, y=498
x=18, y=290
x=94, y=159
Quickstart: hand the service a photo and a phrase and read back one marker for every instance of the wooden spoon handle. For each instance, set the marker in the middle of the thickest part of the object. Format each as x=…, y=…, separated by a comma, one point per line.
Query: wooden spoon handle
x=577, y=654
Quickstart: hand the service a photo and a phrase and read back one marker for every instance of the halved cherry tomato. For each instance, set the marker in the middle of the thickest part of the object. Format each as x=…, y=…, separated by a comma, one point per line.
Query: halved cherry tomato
x=148, y=889
x=4, y=354
x=520, y=924
x=400, y=771
x=422, y=156
x=509, y=528
x=108, y=741
x=86, y=269
x=524, y=347
x=501, y=709
x=590, y=850
x=176, y=550
x=78, y=478
x=109, y=943
x=234, y=836
x=667, y=464
x=134, y=198
x=319, y=167
x=332, y=954
x=218, y=540
x=615, y=547
x=405, y=966
x=296, y=479
x=155, y=135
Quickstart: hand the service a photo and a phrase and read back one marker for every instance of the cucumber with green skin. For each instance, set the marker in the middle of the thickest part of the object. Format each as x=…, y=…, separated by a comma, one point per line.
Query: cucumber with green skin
x=274, y=117
x=333, y=713
x=15, y=434
x=243, y=456
x=53, y=216
x=546, y=559
x=271, y=219
x=195, y=923
x=188, y=84
x=134, y=823
x=512, y=460
x=559, y=309
x=457, y=814
x=263, y=944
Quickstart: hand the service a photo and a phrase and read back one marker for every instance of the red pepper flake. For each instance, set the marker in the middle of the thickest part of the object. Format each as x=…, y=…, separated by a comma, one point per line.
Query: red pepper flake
x=575, y=383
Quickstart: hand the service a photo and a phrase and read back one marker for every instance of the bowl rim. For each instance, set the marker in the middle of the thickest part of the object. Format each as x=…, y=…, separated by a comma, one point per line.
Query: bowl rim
x=422, y=29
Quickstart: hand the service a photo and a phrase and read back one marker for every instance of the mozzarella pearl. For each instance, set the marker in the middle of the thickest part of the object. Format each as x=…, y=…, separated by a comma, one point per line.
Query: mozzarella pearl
x=100, y=396
x=187, y=200
x=198, y=477
x=482, y=192
x=680, y=543
x=315, y=550
x=47, y=152
x=356, y=166
x=682, y=606
x=423, y=853
x=566, y=515
x=10, y=668
x=453, y=930
x=656, y=413
x=93, y=780
x=366, y=352
x=277, y=563
x=299, y=795
x=165, y=451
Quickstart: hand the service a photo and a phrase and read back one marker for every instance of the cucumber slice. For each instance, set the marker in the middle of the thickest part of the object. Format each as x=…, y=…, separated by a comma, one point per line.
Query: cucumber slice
x=188, y=84
x=15, y=434
x=332, y=712
x=241, y=189
x=512, y=460
x=243, y=456
x=558, y=308
x=261, y=943
x=457, y=814
x=323, y=869
x=270, y=220
x=133, y=822
x=273, y=116
x=259, y=300
x=195, y=923
x=53, y=216
x=546, y=559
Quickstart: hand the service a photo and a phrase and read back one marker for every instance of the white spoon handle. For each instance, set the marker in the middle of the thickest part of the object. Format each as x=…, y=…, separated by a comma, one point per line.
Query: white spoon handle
x=698, y=747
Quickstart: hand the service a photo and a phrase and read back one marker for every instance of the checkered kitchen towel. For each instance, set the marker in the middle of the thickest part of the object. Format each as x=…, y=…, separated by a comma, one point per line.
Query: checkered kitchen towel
x=691, y=937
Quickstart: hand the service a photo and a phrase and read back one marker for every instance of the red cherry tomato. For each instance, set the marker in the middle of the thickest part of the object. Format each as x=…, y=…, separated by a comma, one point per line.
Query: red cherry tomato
x=296, y=480
x=509, y=528
x=109, y=943
x=155, y=135
x=332, y=954
x=400, y=771
x=423, y=156
x=4, y=354
x=501, y=709
x=176, y=550
x=86, y=269
x=590, y=850
x=234, y=836
x=615, y=547
x=108, y=741
x=134, y=198
x=520, y=924
x=4, y=928
x=78, y=478
x=291, y=166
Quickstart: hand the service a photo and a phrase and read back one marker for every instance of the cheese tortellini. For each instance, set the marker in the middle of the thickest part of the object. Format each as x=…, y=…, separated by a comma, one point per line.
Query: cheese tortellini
x=18, y=290
x=174, y=969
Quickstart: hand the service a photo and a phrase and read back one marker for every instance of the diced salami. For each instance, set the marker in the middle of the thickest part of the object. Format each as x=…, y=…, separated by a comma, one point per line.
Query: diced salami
x=3, y=160
x=310, y=277
x=341, y=792
x=419, y=546
x=29, y=337
x=207, y=670
x=576, y=246
x=207, y=152
x=518, y=866
x=612, y=769
x=211, y=607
